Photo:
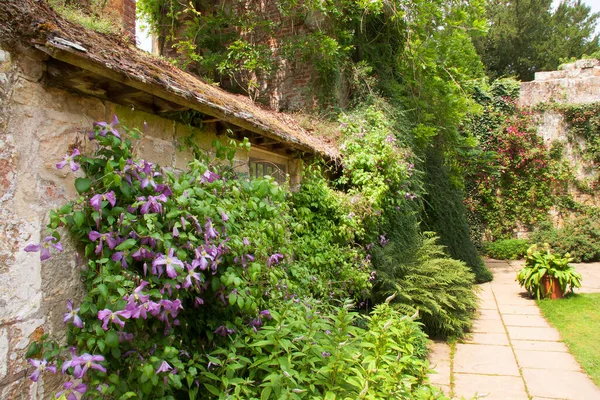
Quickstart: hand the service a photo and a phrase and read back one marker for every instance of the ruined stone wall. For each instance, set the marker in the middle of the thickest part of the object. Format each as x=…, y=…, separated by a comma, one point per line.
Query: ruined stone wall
x=37, y=126
x=575, y=83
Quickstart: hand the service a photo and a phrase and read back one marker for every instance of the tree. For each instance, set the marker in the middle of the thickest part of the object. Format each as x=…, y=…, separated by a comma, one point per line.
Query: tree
x=526, y=36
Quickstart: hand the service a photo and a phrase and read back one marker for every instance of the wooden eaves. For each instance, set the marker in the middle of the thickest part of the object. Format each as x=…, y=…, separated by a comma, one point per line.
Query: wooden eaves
x=107, y=67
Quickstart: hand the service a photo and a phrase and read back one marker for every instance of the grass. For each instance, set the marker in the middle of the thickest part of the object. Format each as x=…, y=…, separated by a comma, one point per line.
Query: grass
x=97, y=18
x=577, y=318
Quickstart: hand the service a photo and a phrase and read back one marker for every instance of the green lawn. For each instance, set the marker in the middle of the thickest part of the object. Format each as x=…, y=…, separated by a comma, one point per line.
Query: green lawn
x=577, y=317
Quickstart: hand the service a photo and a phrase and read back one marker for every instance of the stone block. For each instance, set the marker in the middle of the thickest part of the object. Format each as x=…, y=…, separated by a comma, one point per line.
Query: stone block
x=533, y=333
x=489, y=387
x=548, y=360
x=485, y=359
x=521, y=310
x=483, y=338
x=488, y=326
x=155, y=126
x=439, y=360
x=557, y=384
x=525, y=320
x=156, y=150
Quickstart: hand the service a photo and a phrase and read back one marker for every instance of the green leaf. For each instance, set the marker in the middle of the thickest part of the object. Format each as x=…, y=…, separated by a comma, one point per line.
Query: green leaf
x=126, y=245
x=112, y=339
x=212, y=389
x=34, y=349
x=79, y=218
x=82, y=185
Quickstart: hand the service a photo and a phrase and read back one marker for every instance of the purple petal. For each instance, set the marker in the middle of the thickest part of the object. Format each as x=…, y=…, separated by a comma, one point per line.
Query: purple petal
x=61, y=164
x=32, y=248
x=45, y=254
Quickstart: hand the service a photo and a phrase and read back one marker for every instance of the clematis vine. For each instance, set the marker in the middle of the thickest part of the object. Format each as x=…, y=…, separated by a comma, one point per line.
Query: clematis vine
x=72, y=314
x=44, y=247
x=244, y=258
x=191, y=275
x=209, y=231
x=153, y=204
x=69, y=159
x=82, y=363
x=107, y=128
x=40, y=367
x=96, y=200
x=107, y=316
x=164, y=367
x=274, y=259
x=169, y=261
x=107, y=237
x=209, y=177
x=70, y=390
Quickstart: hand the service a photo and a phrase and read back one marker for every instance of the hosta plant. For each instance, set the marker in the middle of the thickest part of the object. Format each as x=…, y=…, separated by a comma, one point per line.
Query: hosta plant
x=540, y=265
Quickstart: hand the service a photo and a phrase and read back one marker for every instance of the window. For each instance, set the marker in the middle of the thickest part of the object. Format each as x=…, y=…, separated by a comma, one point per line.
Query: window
x=260, y=167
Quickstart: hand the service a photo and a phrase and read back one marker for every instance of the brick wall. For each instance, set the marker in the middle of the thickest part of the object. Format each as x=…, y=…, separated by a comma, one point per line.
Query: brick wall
x=126, y=11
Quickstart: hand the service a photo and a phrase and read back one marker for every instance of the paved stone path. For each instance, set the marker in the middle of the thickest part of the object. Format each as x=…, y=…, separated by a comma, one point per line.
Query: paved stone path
x=513, y=353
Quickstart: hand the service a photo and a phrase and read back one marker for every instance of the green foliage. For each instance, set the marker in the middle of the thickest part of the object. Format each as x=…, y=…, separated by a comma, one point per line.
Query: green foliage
x=526, y=36
x=204, y=284
x=427, y=282
x=92, y=14
x=507, y=249
x=312, y=350
x=579, y=236
x=516, y=177
x=446, y=215
x=584, y=123
x=541, y=264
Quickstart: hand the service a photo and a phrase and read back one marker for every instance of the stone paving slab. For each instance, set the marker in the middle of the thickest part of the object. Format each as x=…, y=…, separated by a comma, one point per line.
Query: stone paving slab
x=491, y=386
x=539, y=345
x=512, y=352
x=533, y=333
x=439, y=359
x=525, y=320
x=488, y=326
x=547, y=360
x=499, y=339
x=558, y=384
x=485, y=359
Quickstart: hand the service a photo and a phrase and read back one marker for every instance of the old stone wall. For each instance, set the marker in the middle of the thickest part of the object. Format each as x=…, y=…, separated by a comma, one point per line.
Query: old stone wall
x=575, y=83
x=38, y=124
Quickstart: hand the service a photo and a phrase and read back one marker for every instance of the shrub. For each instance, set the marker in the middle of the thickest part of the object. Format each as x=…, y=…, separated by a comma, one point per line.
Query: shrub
x=429, y=283
x=193, y=289
x=580, y=237
x=446, y=215
x=507, y=249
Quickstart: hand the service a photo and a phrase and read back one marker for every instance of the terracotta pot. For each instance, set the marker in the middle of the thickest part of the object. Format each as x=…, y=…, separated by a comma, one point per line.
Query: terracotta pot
x=551, y=288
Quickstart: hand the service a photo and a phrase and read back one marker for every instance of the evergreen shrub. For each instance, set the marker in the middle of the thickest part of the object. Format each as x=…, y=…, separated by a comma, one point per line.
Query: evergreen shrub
x=507, y=249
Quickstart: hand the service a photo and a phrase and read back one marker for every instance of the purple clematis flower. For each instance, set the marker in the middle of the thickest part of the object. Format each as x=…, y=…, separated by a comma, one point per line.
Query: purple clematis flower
x=209, y=176
x=120, y=256
x=69, y=159
x=82, y=363
x=266, y=314
x=44, y=246
x=274, y=259
x=107, y=316
x=153, y=204
x=40, y=366
x=96, y=201
x=169, y=261
x=70, y=390
x=224, y=217
x=102, y=237
x=224, y=331
x=108, y=128
x=209, y=231
x=164, y=367
x=72, y=314
x=192, y=274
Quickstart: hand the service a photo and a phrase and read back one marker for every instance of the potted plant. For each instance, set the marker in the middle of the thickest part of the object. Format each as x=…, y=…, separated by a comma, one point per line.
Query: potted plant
x=547, y=275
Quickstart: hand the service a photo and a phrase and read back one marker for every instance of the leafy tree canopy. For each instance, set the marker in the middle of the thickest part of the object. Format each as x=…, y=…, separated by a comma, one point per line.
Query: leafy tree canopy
x=526, y=36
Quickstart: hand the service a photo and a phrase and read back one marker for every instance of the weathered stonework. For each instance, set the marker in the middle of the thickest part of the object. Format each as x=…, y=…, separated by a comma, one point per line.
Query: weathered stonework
x=37, y=125
x=575, y=83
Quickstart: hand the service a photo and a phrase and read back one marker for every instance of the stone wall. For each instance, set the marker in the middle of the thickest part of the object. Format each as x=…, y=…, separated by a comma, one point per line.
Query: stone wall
x=575, y=83
x=37, y=126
